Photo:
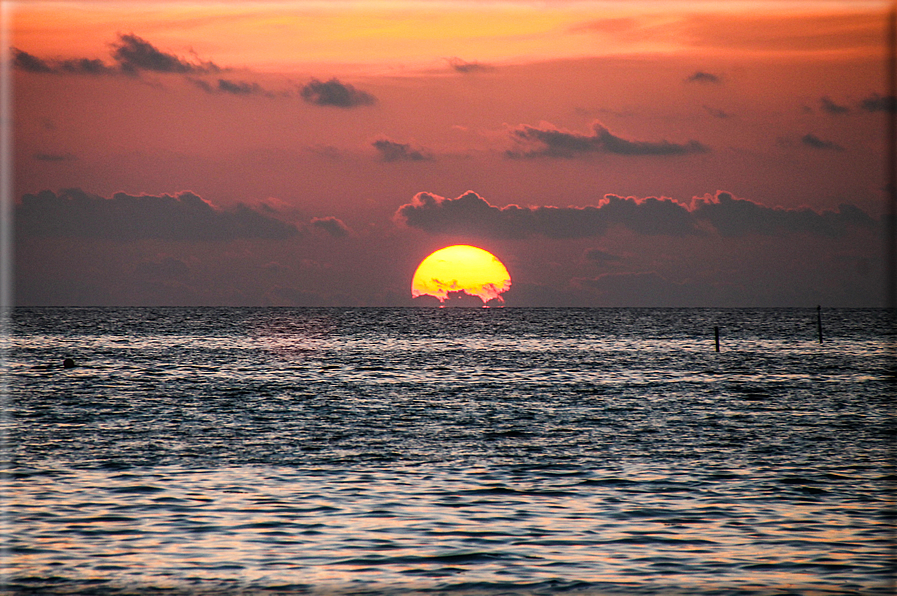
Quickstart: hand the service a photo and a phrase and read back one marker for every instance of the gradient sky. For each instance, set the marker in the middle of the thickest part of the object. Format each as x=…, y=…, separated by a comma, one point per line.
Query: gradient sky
x=610, y=153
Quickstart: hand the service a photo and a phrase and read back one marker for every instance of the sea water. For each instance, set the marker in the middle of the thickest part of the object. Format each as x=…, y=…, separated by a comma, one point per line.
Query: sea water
x=456, y=451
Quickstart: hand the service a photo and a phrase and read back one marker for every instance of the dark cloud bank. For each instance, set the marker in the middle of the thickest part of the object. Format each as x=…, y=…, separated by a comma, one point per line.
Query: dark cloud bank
x=547, y=141
x=729, y=216
x=184, y=216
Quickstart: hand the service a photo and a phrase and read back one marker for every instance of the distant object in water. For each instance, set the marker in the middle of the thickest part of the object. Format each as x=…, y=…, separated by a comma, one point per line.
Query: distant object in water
x=819, y=321
x=68, y=363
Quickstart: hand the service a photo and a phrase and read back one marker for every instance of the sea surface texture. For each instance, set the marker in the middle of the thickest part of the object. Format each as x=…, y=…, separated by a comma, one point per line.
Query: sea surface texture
x=456, y=451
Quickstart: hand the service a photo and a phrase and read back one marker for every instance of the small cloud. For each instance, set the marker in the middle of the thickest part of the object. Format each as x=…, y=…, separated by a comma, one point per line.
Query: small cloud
x=547, y=141
x=465, y=67
x=331, y=225
x=393, y=151
x=239, y=87
x=811, y=140
x=335, y=93
x=831, y=107
x=704, y=77
x=717, y=113
x=879, y=103
x=230, y=86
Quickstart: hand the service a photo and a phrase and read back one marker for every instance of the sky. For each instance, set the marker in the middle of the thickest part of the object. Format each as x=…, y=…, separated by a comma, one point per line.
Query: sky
x=312, y=153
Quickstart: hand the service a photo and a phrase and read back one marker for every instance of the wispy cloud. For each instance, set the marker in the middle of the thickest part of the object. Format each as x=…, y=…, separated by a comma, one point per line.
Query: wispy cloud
x=232, y=87
x=811, y=140
x=717, y=113
x=830, y=107
x=548, y=141
x=704, y=77
x=462, y=66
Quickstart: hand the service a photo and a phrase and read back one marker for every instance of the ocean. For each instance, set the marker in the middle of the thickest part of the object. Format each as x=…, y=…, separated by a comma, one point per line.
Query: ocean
x=448, y=451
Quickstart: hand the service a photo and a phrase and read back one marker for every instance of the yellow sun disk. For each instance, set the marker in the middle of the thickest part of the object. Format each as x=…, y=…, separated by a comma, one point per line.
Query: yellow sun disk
x=461, y=268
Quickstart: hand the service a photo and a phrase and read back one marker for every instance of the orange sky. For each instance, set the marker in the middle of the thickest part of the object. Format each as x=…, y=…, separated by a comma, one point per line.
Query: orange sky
x=536, y=104
x=282, y=36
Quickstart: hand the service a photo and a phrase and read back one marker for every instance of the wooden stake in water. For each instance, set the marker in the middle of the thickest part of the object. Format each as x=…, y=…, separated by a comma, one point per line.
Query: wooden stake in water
x=716, y=335
x=819, y=321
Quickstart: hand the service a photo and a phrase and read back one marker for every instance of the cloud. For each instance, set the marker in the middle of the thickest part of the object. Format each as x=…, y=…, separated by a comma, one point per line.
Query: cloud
x=465, y=67
x=832, y=108
x=30, y=63
x=393, y=151
x=471, y=215
x=811, y=140
x=184, y=216
x=131, y=53
x=230, y=86
x=334, y=93
x=731, y=216
x=548, y=141
x=879, y=103
x=134, y=54
x=704, y=77
x=331, y=225
x=717, y=113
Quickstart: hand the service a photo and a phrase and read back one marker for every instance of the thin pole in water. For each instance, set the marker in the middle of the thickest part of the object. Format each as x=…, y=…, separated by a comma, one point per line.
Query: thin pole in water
x=819, y=321
x=716, y=336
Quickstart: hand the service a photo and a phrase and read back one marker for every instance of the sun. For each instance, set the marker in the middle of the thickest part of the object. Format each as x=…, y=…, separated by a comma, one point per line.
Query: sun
x=461, y=268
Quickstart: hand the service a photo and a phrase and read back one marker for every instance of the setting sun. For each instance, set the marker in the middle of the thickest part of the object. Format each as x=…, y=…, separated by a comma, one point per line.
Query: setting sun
x=461, y=268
